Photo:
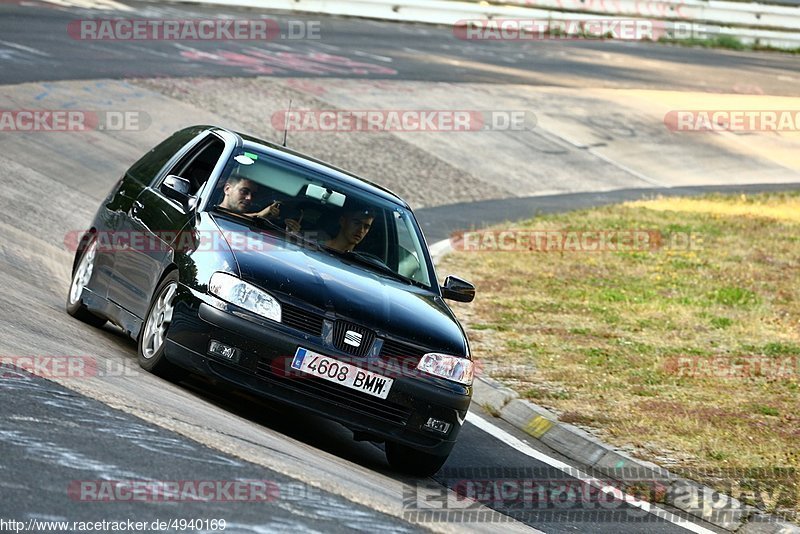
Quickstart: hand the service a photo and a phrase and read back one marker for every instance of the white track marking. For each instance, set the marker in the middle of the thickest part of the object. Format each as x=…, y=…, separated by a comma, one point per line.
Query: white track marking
x=524, y=448
x=371, y=56
x=25, y=48
x=91, y=4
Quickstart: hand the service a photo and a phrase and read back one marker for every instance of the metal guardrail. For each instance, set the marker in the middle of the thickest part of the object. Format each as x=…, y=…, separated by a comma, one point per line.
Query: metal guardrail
x=737, y=14
x=771, y=2
x=452, y=13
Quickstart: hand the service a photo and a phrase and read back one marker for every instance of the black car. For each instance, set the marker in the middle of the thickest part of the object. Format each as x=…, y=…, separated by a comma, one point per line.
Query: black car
x=241, y=260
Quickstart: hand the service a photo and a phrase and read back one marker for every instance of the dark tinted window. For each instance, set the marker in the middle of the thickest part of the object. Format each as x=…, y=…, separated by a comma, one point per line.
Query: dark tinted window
x=148, y=166
x=196, y=166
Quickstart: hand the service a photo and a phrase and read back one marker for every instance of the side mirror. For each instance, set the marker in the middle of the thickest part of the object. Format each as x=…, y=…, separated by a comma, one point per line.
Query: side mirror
x=178, y=188
x=455, y=288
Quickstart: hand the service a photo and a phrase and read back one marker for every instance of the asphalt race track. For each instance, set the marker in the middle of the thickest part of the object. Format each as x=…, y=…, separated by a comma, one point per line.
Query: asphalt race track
x=599, y=137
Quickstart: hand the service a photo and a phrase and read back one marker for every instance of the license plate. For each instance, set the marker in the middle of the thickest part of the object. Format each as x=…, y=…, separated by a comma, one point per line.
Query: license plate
x=342, y=373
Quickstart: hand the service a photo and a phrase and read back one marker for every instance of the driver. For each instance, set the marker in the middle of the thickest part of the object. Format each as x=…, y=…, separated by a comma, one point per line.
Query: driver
x=239, y=192
x=354, y=225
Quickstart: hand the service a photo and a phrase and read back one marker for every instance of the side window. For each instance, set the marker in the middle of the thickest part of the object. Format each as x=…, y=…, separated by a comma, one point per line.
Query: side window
x=377, y=240
x=148, y=166
x=196, y=166
x=410, y=256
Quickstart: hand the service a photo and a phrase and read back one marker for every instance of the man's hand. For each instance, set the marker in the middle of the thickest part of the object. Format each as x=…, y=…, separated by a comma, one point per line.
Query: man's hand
x=294, y=225
x=270, y=212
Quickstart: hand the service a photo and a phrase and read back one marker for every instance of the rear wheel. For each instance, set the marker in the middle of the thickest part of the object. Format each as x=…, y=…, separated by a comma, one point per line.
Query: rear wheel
x=153, y=336
x=411, y=461
x=80, y=279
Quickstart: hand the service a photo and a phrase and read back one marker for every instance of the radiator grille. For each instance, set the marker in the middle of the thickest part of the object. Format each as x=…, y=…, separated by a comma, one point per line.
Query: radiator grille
x=305, y=321
x=352, y=338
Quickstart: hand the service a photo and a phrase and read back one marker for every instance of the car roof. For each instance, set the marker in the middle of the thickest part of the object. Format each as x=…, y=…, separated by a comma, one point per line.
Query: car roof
x=254, y=143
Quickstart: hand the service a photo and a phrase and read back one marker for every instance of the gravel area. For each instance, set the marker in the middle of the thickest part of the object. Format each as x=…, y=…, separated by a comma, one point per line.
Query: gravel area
x=421, y=178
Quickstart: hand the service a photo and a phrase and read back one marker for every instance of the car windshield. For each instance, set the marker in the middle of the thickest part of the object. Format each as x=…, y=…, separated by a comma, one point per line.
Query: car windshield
x=353, y=224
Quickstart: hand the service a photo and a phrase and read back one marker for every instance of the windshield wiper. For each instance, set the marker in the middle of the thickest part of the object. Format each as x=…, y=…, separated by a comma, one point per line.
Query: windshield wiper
x=249, y=218
x=294, y=237
x=229, y=211
x=371, y=261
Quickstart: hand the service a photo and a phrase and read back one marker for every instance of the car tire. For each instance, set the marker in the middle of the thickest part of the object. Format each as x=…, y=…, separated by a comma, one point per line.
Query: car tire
x=81, y=275
x=153, y=335
x=412, y=461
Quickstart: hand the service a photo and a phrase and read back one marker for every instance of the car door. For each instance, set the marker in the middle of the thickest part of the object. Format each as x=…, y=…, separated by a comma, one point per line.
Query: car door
x=114, y=228
x=107, y=225
x=155, y=220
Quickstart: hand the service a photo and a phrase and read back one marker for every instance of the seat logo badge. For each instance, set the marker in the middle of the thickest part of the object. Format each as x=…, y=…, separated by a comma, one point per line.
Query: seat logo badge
x=352, y=338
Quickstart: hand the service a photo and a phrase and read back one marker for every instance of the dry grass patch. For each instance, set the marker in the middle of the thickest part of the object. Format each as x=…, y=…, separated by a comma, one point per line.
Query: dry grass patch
x=686, y=355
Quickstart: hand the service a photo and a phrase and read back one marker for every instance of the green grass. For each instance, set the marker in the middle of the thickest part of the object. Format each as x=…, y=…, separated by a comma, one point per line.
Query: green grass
x=720, y=322
x=734, y=296
x=767, y=410
x=728, y=42
x=600, y=337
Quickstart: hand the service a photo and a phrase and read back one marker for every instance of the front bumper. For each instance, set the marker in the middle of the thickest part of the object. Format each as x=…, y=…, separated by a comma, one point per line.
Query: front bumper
x=262, y=366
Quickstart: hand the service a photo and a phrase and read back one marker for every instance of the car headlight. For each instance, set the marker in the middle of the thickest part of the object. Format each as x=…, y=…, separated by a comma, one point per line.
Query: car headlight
x=236, y=291
x=455, y=368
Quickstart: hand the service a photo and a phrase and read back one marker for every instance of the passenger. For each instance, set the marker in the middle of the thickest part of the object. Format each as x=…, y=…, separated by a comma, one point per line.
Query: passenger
x=354, y=225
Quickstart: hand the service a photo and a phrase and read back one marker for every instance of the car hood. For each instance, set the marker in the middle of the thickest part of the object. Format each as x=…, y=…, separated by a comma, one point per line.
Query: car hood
x=350, y=290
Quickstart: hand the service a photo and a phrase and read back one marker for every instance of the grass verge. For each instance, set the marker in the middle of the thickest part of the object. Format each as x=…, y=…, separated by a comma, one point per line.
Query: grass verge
x=727, y=42
x=685, y=352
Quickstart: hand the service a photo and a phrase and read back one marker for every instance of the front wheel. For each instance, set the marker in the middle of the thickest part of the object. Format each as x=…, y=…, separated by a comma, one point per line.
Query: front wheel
x=153, y=336
x=411, y=461
x=80, y=279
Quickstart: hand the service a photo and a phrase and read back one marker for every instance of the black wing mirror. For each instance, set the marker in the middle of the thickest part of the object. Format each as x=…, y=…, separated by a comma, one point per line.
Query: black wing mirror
x=455, y=288
x=178, y=188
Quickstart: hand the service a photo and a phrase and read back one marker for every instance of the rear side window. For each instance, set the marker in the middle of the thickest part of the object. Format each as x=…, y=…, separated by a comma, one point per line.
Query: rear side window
x=196, y=166
x=147, y=167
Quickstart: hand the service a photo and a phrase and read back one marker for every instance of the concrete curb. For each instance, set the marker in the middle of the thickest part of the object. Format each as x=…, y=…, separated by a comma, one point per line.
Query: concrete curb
x=685, y=495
